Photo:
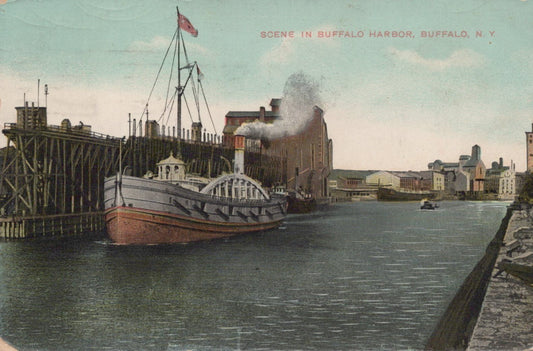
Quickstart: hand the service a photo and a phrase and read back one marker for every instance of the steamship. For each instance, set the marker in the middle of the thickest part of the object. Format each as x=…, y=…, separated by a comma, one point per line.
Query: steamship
x=172, y=207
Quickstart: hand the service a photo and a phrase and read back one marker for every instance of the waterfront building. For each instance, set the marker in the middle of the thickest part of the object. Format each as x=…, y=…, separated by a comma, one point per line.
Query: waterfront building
x=520, y=179
x=501, y=180
x=396, y=180
x=234, y=119
x=462, y=182
x=449, y=170
x=350, y=185
x=465, y=176
x=384, y=179
x=308, y=152
x=410, y=180
x=432, y=180
x=476, y=168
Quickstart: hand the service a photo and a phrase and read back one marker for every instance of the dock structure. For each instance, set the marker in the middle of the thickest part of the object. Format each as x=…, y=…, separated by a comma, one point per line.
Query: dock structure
x=51, y=177
x=51, y=180
x=505, y=321
x=492, y=308
x=205, y=158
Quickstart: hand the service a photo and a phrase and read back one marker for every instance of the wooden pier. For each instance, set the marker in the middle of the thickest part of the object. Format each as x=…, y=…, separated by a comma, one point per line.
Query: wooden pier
x=51, y=178
x=61, y=225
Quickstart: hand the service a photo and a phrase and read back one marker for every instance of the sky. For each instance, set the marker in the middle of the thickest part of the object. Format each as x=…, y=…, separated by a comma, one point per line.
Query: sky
x=450, y=74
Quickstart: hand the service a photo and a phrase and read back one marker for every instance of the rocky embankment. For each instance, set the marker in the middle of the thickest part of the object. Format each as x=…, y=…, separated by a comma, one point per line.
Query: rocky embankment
x=493, y=310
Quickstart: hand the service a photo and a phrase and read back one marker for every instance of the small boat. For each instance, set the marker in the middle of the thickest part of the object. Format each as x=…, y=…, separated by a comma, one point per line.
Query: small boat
x=300, y=202
x=425, y=204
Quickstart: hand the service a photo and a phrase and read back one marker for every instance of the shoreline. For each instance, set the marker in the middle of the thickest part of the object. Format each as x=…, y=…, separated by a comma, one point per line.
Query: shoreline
x=479, y=304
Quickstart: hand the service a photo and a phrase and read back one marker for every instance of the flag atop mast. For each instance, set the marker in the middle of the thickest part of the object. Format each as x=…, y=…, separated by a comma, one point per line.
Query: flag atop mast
x=186, y=25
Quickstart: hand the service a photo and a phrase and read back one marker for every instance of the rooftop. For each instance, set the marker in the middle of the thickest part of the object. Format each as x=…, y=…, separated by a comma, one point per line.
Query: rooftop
x=254, y=114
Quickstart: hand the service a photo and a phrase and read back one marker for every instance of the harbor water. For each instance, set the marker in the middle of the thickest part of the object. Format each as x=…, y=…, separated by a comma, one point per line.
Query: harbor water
x=356, y=276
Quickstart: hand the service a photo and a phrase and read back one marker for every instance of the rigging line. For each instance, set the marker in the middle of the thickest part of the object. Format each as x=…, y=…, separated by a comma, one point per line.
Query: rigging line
x=159, y=72
x=172, y=101
x=170, y=78
x=171, y=106
x=186, y=82
x=184, y=49
x=188, y=109
x=195, y=92
x=167, y=103
x=207, y=106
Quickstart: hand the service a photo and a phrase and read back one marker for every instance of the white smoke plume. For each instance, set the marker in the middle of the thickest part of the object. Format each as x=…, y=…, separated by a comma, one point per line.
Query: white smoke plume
x=300, y=95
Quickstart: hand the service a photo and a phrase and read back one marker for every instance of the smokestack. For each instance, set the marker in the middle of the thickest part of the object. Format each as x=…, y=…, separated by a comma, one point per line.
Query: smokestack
x=262, y=114
x=238, y=166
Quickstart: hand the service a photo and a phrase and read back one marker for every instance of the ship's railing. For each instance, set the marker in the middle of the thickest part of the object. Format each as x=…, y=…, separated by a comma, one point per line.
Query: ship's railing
x=248, y=202
x=230, y=201
x=61, y=129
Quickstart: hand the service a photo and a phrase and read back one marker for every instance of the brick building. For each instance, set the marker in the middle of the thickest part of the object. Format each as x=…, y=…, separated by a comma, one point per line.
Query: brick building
x=308, y=154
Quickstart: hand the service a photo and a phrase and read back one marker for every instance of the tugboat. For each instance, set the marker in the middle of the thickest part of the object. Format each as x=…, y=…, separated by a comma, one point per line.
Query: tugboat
x=425, y=204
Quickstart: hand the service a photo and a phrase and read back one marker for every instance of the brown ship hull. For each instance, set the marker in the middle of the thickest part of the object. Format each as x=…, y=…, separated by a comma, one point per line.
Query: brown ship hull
x=388, y=194
x=295, y=205
x=127, y=225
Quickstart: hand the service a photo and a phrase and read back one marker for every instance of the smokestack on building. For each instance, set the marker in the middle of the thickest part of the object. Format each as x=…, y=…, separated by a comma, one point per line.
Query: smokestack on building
x=238, y=166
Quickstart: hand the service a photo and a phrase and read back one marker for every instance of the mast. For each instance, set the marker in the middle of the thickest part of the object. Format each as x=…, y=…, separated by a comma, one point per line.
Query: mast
x=178, y=124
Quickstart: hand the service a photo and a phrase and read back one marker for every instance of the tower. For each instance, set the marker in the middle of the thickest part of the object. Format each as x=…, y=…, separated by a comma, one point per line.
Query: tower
x=476, y=153
x=31, y=117
x=529, y=149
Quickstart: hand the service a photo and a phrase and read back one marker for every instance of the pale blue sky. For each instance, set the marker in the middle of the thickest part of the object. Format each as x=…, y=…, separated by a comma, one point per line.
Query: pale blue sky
x=390, y=103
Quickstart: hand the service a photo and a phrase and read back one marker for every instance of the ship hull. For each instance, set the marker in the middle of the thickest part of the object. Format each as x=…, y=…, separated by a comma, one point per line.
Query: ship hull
x=295, y=205
x=387, y=194
x=127, y=225
x=149, y=212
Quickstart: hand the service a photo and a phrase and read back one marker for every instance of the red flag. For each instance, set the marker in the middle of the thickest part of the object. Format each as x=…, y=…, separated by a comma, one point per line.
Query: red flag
x=200, y=74
x=186, y=25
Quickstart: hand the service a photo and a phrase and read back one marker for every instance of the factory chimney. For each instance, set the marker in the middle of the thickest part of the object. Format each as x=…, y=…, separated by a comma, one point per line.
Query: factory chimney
x=238, y=166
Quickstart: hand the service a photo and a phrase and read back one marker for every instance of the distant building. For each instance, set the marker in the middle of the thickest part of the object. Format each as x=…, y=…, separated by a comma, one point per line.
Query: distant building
x=350, y=185
x=462, y=182
x=384, y=179
x=501, y=180
x=529, y=148
x=432, y=180
x=410, y=180
x=396, y=180
x=476, y=168
x=465, y=176
x=449, y=171
x=520, y=180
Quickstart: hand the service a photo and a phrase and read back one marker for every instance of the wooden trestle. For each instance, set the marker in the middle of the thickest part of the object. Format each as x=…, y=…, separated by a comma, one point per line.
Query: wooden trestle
x=51, y=178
